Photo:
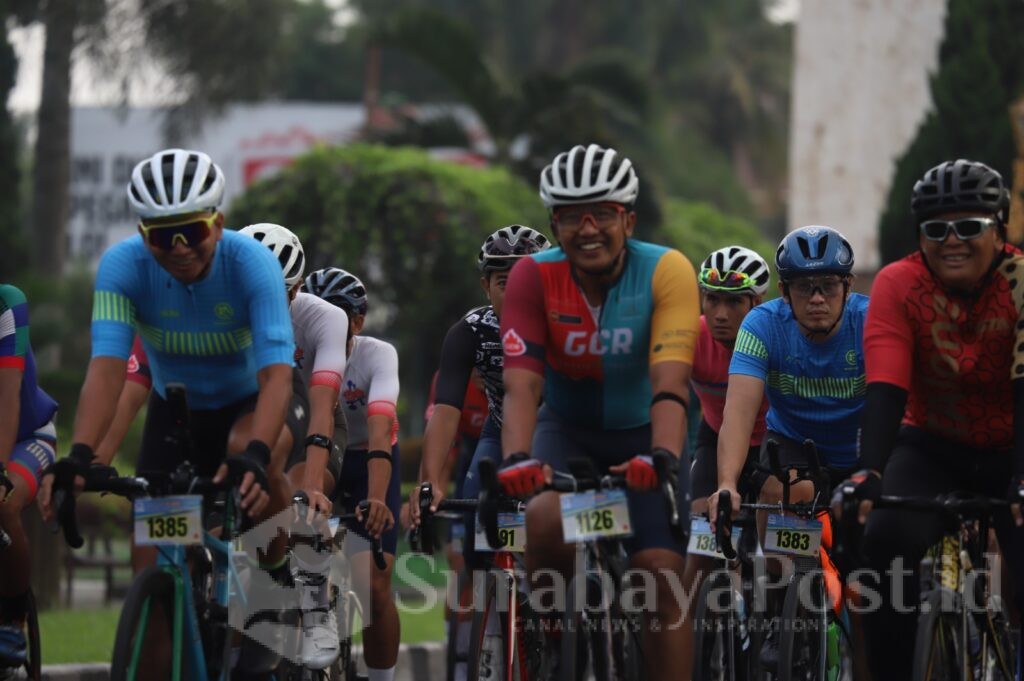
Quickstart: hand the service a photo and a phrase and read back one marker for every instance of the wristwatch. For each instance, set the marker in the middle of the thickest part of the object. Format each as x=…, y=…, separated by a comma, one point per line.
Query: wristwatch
x=320, y=441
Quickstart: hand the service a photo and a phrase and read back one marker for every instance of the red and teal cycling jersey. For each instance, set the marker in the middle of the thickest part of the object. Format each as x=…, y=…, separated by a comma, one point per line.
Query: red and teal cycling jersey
x=596, y=361
x=955, y=356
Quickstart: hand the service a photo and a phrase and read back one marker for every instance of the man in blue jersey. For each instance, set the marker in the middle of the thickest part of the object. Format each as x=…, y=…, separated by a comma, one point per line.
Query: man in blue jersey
x=212, y=313
x=806, y=350
x=27, y=439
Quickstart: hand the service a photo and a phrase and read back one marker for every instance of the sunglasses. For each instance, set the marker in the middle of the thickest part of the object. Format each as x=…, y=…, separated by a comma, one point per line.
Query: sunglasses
x=167, y=235
x=732, y=280
x=604, y=215
x=964, y=228
x=805, y=287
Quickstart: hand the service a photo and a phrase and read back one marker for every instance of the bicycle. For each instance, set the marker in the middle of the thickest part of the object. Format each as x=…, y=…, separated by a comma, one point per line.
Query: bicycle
x=33, y=665
x=606, y=638
x=815, y=641
x=963, y=629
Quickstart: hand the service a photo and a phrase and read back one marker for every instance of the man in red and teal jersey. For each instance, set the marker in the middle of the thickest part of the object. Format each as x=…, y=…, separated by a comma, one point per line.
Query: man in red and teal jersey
x=603, y=329
x=944, y=346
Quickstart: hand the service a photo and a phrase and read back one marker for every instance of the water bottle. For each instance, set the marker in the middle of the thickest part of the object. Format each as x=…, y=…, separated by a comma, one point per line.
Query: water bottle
x=741, y=617
x=832, y=651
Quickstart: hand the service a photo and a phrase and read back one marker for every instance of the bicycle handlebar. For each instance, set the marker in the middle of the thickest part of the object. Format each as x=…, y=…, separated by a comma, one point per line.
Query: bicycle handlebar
x=422, y=537
x=301, y=501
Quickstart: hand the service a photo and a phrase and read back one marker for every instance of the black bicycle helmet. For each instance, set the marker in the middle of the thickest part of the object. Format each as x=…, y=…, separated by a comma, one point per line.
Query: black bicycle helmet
x=339, y=288
x=508, y=244
x=960, y=185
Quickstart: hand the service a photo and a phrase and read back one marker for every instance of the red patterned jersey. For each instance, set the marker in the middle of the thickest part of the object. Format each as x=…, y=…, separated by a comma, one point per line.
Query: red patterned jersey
x=954, y=355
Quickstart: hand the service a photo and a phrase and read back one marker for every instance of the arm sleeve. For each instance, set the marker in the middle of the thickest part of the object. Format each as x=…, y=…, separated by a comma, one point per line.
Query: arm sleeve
x=676, y=317
x=113, y=309
x=750, y=354
x=331, y=348
x=880, y=423
x=269, y=321
x=456, y=366
x=137, y=370
x=1018, y=429
x=524, y=332
x=384, y=380
x=888, y=339
x=14, y=337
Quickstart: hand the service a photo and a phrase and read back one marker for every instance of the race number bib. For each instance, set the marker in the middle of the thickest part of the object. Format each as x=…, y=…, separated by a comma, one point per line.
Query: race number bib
x=511, y=533
x=593, y=514
x=169, y=520
x=703, y=541
x=795, y=536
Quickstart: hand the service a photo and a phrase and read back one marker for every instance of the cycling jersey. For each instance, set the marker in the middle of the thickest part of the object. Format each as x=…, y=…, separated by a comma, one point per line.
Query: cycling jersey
x=370, y=387
x=596, y=361
x=213, y=335
x=955, y=356
x=321, y=340
x=815, y=390
x=36, y=408
x=137, y=369
x=710, y=378
x=473, y=342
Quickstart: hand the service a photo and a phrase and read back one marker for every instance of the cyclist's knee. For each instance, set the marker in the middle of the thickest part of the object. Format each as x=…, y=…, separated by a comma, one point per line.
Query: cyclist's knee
x=544, y=521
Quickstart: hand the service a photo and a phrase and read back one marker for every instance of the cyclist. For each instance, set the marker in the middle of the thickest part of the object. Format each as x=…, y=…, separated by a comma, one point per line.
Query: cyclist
x=321, y=348
x=212, y=314
x=370, y=464
x=944, y=397
x=732, y=282
x=604, y=328
x=805, y=351
x=28, y=438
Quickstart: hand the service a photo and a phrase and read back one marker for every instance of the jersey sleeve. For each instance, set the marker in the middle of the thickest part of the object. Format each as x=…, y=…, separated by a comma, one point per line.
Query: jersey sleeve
x=113, y=305
x=14, y=336
x=137, y=370
x=457, y=353
x=676, y=317
x=888, y=338
x=331, y=348
x=750, y=354
x=384, y=380
x=524, y=332
x=269, y=322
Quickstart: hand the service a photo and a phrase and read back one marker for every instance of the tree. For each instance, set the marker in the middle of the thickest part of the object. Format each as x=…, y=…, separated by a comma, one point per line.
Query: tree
x=12, y=243
x=409, y=226
x=981, y=71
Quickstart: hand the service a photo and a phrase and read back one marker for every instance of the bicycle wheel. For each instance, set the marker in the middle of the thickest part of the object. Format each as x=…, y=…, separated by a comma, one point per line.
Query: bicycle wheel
x=350, y=665
x=574, y=650
x=717, y=645
x=802, y=629
x=34, y=662
x=938, y=651
x=488, y=640
x=998, y=660
x=152, y=590
x=456, y=620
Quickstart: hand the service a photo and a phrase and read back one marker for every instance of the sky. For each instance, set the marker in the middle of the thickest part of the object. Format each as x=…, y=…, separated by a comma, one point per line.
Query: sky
x=91, y=87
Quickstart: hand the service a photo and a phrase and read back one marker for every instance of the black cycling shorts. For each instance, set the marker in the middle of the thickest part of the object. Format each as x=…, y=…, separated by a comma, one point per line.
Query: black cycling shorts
x=704, y=472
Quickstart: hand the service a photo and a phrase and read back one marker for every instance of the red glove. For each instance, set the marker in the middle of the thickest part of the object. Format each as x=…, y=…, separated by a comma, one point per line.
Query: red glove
x=521, y=476
x=640, y=474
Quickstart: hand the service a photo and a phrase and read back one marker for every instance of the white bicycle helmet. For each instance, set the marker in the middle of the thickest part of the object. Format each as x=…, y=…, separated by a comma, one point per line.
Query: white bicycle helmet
x=175, y=181
x=715, y=270
x=285, y=246
x=586, y=175
x=508, y=244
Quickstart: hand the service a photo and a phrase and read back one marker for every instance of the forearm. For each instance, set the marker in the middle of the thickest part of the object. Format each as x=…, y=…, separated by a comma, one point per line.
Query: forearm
x=272, y=403
x=880, y=423
x=523, y=390
x=1018, y=428
x=378, y=471
x=10, y=397
x=437, y=441
x=97, y=403
x=669, y=384
x=322, y=399
x=742, y=403
x=133, y=396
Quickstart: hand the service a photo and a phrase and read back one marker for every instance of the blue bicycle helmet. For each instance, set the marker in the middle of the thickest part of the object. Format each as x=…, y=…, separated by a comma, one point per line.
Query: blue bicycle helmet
x=813, y=250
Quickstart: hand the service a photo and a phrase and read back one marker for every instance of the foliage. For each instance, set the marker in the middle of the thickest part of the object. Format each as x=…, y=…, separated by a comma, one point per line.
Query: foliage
x=408, y=225
x=13, y=251
x=698, y=228
x=981, y=71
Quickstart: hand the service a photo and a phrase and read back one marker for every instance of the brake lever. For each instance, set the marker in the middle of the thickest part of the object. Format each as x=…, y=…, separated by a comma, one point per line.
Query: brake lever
x=378, y=547
x=723, y=522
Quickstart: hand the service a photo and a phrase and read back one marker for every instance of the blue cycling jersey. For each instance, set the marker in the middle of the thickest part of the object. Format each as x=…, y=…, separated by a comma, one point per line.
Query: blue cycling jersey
x=213, y=335
x=36, y=408
x=815, y=390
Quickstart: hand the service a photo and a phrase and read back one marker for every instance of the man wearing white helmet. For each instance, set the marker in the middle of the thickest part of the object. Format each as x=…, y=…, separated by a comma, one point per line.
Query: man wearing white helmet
x=604, y=330
x=212, y=314
x=732, y=281
x=314, y=466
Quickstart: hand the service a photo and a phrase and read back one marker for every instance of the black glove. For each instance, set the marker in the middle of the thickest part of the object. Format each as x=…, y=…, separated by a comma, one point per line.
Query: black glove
x=864, y=485
x=253, y=460
x=1017, y=491
x=5, y=481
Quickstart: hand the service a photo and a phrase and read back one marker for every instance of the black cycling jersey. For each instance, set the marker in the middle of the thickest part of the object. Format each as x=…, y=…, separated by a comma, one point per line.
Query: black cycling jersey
x=472, y=342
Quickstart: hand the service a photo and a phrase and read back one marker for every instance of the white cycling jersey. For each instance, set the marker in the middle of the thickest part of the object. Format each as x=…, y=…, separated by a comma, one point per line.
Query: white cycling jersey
x=370, y=387
x=321, y=338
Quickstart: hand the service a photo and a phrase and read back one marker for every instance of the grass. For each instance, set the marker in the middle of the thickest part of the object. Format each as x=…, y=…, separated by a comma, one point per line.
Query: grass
x=88, y=635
